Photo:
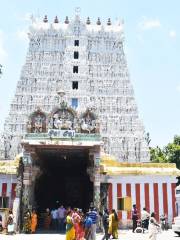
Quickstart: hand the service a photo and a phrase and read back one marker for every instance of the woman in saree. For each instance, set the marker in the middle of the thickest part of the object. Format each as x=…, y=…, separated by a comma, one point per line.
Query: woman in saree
x=153, y=227
x=33, y=221
x=80, y=229
x=70, y=231
x=113, y=224
x=47, y=219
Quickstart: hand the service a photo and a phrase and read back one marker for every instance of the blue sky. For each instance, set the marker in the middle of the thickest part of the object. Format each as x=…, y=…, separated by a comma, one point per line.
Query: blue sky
x=152, y=44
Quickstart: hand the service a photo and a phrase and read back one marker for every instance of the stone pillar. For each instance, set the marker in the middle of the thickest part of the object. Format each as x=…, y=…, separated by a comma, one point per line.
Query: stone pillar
x=35, y=174
x=104, y=196
x=97, y=179
x=27, y=187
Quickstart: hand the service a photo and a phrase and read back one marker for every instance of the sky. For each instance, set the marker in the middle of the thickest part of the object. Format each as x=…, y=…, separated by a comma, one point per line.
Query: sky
x=152, y=46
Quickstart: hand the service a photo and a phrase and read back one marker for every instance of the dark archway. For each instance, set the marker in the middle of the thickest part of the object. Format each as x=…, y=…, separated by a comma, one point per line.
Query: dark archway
x=63, y=180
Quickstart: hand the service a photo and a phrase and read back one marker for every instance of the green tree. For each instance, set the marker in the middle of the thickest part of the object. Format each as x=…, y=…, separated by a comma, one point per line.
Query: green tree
x=170, y=153
x=157, y=155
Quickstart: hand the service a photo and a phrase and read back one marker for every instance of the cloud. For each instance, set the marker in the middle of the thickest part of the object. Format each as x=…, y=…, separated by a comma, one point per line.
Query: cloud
x=3, y=53
x=172, y=34
x=146, y=24
x=22, y=34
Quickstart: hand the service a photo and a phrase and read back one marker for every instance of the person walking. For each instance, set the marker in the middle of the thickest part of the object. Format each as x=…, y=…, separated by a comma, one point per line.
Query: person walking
x=93, y=216
x=33, y=221
x=145, y=216
x=153, y=227
x=134, y=217
x=105, y=221
x=113, y=224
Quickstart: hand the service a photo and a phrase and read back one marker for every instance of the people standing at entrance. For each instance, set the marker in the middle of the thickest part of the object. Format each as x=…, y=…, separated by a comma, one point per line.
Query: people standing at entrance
x=87, y=226
x=93, y=216
x=81, y=230
x=61, y=212
x=27, y=222
x=105, y=221
x=134, y=217
x=54, y=217
x=113, y=224
x=76, y=220
x=70, y=231
x=47, y=219
x=10, y=223
x=33, y=221
x=153, y=227
x=145, y=218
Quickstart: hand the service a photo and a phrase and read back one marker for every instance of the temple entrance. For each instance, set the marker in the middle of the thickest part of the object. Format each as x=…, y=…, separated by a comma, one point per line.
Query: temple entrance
x=63, y=179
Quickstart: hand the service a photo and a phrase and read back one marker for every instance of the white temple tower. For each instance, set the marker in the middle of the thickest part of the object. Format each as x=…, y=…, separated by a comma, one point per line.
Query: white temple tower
x=87, y=61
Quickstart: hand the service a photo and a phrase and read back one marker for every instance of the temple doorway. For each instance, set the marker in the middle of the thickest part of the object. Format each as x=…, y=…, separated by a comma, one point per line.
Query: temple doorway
x=63, y=179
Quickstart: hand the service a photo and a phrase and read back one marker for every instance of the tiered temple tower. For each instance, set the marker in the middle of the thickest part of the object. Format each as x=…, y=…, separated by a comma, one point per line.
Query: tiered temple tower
x=86, y=61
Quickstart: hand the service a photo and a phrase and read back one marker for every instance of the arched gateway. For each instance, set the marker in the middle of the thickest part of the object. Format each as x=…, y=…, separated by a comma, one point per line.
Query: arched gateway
x=61, y=158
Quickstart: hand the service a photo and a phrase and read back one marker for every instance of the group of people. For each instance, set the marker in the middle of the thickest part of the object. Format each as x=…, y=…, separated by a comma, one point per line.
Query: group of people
x=8, y=225
x=30, y=221
x=81, y=226
x=148, y=221
x=48, y=220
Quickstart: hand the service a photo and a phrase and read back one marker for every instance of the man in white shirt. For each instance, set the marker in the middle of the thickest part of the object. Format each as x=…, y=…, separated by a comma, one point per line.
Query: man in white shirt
x=54, y=216
x=145, y=218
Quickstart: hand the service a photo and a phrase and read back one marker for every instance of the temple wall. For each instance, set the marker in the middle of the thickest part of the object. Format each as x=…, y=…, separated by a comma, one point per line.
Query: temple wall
x=7, y=188
x=156, y=193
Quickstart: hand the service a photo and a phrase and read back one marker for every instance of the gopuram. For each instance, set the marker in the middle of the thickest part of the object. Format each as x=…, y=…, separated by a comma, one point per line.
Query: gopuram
x=74, y=124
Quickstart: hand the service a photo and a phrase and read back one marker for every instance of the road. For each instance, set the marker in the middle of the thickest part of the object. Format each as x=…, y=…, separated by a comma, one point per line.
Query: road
x=123, y=235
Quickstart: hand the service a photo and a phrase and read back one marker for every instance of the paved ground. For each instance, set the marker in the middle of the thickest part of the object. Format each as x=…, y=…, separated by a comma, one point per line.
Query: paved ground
x=123, y=235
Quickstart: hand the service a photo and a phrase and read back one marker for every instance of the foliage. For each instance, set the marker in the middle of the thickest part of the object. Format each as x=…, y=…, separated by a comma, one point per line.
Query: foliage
x=169, y=154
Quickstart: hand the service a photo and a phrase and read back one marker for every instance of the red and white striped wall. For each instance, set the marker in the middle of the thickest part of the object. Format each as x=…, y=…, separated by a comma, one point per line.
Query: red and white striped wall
x=156, y=193
x=7, y=187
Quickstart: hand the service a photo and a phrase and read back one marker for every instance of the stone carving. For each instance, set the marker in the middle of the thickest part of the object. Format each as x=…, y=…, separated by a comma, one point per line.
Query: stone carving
x=37, y=122
x=62, y=118
x=88, y=122
x=103, y=81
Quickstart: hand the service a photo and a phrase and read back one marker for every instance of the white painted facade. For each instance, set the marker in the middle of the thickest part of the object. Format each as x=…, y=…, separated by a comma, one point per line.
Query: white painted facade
x=170, y=182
